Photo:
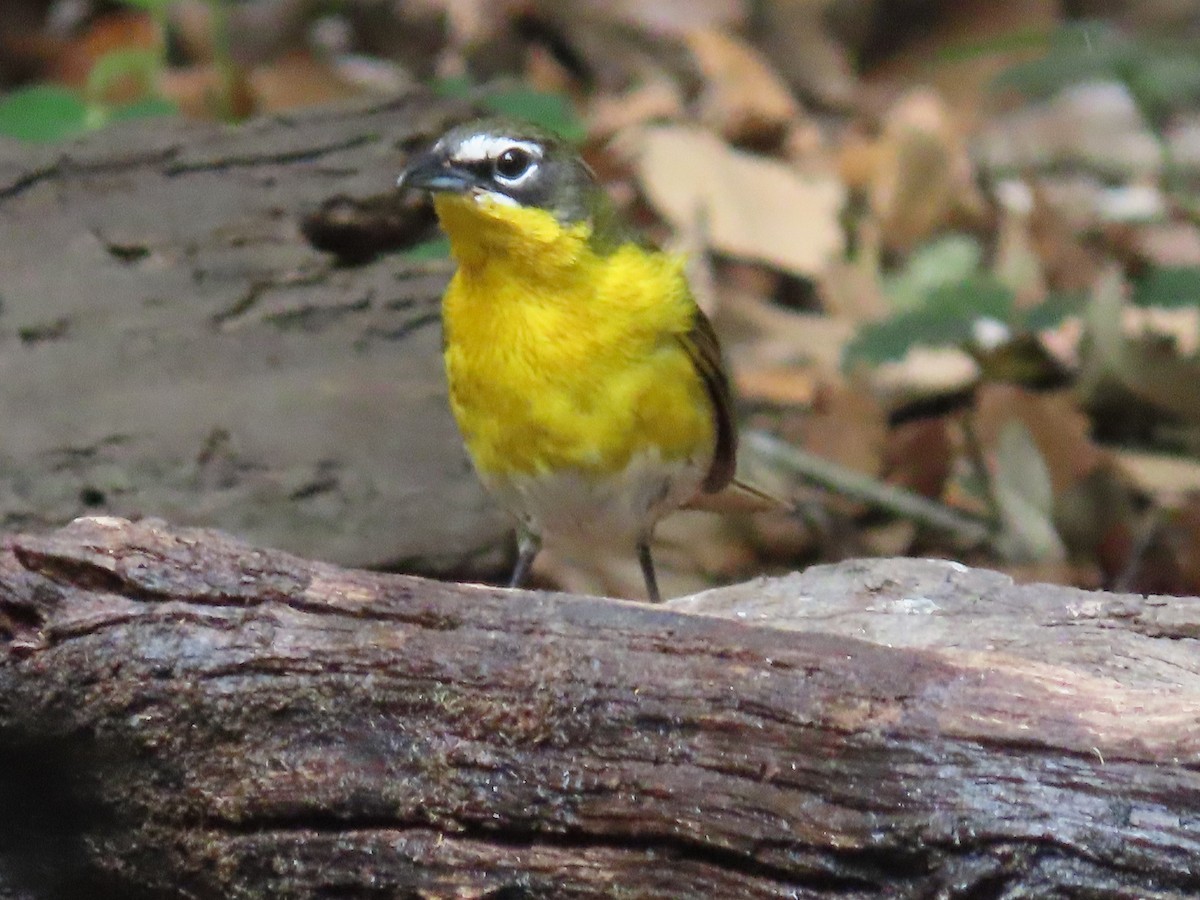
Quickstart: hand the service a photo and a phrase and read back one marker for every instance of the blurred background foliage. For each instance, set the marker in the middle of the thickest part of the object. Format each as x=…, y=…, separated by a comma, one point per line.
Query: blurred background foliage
x=953, y=248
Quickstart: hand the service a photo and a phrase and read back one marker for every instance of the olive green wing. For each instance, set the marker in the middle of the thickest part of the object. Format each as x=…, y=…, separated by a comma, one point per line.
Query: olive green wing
x=703, y=349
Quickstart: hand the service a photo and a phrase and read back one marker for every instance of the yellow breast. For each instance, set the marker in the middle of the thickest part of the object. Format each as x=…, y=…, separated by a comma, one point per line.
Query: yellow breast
x=563, y=358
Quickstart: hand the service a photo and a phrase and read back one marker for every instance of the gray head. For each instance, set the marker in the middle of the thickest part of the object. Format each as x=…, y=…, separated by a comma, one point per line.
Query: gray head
x=514, y=163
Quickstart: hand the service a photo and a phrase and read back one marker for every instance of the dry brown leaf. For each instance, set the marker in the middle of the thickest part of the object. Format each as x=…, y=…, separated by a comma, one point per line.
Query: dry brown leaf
x=255, y=31
x=806, y=146
x=743, y=99
x=919, y=456
x=298, y=79
x=780, y=337
x=796, y=39
x=750, y=279
x=1092, y=125
x=924, y=371
x=894, y=538
x=1078, y=574
x=1058, y=427
x=753, y=207
x=205, y=92
x=1181, y=539
x=620, y=44
x=664, y=18
x=852, y=289
x=858, y=158
x=1170, y=562
x=124, y=30
x=691, y=549
x=1159, y=474
x=1095, y=516
x=1068, y=264
x=1169, y=244
x=964, y=80
x=1181, y=325
x=1017, y=263
x=545, y=73
x=657, y=100
x=778, y=385
x=472, y=22
x=924, y=174
x=847, y=425
x=1140, y=365
x=781, y=539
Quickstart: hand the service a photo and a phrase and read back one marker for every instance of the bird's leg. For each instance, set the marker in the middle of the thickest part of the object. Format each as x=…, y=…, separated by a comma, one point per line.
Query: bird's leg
x=647, y=561
x=528, y=545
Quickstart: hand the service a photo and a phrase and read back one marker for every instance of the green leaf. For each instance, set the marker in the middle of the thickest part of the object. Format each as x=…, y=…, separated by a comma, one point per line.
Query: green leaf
x=1035, y=38
x=942, y=262
x=550, y=111
x=1162, y=74
x=139, y=65
x=154, y=7
x=946, y=320
x=151, y=107
x=1057, y=306
x=1078, y=51
x=43, y=113
x=456, y=87
x=553, y=112
x=437, y=248
x=1164, y=81
x=1169, y=287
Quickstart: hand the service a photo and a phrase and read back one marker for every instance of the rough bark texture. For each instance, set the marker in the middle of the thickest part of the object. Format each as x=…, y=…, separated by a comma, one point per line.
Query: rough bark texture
x=171, y=343
x=184, y=715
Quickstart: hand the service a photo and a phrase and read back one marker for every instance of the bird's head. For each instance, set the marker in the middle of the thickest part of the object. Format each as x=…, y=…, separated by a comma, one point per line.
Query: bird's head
x=496, y=175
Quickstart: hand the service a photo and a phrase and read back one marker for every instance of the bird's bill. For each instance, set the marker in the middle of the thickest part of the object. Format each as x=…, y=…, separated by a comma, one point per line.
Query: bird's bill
x=430, y=172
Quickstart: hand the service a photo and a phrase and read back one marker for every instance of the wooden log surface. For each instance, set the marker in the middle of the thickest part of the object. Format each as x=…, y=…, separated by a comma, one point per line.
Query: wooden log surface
x=173, y=344
x=185, y=715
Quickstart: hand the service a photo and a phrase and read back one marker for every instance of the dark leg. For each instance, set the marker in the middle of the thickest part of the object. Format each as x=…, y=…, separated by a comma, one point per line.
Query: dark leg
x=528, y=545
x=647, y=562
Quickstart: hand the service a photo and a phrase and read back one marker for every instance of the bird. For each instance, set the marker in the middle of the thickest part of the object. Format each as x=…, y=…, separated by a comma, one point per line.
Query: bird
x=588, y=386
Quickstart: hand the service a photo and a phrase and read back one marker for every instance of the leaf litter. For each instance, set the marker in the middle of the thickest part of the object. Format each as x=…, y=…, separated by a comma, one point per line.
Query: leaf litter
x=952, y=250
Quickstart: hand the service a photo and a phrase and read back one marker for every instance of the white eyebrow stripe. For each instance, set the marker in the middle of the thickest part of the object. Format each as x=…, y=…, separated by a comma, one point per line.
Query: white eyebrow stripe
x=482, y=147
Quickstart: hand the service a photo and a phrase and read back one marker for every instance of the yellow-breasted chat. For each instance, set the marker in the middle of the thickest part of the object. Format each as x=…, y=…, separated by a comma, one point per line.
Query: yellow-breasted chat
x=586, y=382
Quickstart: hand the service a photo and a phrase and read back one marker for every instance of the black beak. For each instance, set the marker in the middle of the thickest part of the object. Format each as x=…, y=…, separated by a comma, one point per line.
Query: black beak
x=433, y=172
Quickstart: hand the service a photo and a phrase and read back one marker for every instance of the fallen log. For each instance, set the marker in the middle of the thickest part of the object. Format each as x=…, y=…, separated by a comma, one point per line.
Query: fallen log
x=179, y=341
x=185, y=715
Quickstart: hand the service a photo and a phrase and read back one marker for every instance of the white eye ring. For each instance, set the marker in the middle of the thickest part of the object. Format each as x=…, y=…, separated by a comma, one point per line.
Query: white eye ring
x=515, y=165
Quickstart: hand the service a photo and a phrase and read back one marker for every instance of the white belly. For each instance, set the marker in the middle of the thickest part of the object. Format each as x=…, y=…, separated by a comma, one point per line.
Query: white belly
x=576, y=511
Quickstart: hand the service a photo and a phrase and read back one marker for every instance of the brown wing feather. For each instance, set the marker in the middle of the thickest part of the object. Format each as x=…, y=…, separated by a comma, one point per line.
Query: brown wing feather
x=705, y=352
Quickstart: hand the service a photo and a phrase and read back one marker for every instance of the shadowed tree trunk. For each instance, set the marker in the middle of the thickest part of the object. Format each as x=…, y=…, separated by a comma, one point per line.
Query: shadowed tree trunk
x=184, y=715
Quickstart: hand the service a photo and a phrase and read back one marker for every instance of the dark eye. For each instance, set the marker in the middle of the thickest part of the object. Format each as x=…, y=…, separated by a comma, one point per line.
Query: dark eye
x=513, y=162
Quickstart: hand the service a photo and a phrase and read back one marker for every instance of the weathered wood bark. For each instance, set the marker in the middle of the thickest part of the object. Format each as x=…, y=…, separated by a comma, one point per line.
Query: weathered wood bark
x=172, y=344
x=185, y=715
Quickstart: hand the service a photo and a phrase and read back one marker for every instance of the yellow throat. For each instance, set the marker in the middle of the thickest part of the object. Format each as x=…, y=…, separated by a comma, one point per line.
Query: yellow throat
x=560, y=356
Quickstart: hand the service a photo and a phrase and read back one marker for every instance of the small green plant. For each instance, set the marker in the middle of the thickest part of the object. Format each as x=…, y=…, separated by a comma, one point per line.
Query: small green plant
x=428, y=251
x=1161, y=73
x=944, y=291
x=941, y=295
x=550, y=111
x=50, y=112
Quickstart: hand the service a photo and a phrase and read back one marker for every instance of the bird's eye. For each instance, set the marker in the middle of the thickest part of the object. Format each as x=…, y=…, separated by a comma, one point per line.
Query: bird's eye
x=513, y=163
